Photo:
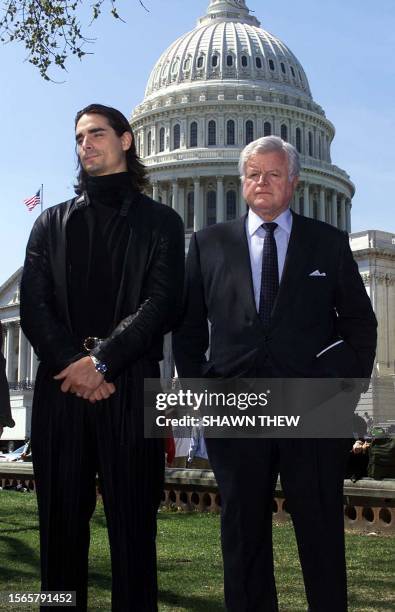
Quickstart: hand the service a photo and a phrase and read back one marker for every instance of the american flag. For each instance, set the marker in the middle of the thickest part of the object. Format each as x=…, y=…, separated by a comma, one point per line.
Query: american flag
x=33, y=200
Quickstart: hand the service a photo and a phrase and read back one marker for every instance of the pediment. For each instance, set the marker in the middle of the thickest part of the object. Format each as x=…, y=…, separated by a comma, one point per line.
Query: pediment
x=9, y=291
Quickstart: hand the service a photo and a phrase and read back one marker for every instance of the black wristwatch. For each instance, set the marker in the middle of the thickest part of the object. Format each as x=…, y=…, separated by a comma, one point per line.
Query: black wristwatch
x=99, y=365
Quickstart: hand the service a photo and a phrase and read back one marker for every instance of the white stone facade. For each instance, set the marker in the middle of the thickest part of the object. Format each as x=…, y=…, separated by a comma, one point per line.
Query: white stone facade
x=215, y=89
x=374, y=252
x=21, y=360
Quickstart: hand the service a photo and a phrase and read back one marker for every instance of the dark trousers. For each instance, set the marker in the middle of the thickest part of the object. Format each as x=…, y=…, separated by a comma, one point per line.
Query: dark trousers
x=312, y=473
x=71, y=441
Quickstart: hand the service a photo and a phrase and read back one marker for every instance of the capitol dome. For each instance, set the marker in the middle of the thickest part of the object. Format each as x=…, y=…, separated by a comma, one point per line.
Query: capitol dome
x=228, y=46
x=214, y=90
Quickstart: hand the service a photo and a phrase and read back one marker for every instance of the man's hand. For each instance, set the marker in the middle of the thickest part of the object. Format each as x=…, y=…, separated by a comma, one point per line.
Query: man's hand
x=103, y=392
x=81, y=378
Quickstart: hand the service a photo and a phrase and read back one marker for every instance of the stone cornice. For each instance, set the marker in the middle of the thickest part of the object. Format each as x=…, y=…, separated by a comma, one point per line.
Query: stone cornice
x=312, y=170
x=368, y=253
x=202, y=109
x=381, y=278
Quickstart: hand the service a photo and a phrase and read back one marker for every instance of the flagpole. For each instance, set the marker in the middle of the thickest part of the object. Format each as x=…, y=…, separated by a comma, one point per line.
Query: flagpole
x=42, y=196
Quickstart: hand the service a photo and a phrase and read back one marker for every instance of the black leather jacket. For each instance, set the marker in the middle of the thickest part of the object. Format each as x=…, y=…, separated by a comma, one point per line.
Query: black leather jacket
x=149, y=298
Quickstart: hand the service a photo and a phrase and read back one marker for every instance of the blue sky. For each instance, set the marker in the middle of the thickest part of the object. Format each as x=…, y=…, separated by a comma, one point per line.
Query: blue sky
x=346, y=48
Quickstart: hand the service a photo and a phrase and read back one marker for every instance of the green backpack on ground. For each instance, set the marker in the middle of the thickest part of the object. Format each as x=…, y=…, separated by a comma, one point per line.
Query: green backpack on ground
x=382, y=458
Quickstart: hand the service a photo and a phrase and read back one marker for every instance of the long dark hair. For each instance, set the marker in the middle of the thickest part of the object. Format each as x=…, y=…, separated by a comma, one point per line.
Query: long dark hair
x=119, y=124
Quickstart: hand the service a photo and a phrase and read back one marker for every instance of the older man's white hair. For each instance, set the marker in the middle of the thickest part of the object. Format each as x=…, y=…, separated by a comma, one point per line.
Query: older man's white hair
x=271, y=144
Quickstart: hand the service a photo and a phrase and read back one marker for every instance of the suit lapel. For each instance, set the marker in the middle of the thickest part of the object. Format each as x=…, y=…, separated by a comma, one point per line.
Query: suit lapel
x=298, y=255
x=240, y=263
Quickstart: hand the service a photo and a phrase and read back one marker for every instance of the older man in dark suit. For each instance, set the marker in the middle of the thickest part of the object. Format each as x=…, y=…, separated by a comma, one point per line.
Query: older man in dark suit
x=285, y=299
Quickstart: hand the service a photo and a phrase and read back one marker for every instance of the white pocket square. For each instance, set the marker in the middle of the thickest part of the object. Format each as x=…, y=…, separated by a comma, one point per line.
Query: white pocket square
x=317, y=273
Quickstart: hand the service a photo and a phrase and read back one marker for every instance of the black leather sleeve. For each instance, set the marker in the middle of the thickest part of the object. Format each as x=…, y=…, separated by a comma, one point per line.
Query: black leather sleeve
x=47, y=333
x=191, y=339
x=161, y=302
x=356, y=322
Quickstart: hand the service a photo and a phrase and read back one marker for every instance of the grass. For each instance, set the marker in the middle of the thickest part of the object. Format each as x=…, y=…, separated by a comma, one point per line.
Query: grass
x=189, y=562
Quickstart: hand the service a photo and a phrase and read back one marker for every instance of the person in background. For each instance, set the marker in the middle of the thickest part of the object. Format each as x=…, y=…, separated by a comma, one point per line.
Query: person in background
x=6, y=419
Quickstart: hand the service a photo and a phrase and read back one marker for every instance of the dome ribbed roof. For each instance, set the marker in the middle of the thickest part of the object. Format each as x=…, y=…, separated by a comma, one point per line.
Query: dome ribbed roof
x=228, y=45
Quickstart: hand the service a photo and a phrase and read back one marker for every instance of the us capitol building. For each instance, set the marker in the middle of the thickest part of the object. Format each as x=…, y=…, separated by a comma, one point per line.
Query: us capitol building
x=214, y=90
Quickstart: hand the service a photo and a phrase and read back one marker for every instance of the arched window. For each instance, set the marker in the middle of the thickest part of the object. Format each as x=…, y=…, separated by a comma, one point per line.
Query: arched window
x=200, y=61
x=311, y=152
x=214, y=61
x=190, y=210
x=230, y=205
x=271, y=64
x=211, y=208
x=176, y=136
x=149, y=143
x=249, y=132
x=161, y=139
x=187, y=63
x=244, y=61
x=282, y=67
x=229, y=60
x=230, y=132
x=258, y=62
x=298, y=140
x=284, y=132
x=267, y=129
x=212, y=134
x=175, y=66
x=293, y=72
x=193, y=130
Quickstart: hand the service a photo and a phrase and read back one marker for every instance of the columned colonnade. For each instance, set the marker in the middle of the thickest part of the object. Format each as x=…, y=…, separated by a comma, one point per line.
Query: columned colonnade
x=310, y=199
x=324, y=204
x=21, y=360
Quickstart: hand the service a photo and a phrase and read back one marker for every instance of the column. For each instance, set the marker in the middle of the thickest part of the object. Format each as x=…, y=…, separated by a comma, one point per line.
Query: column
x=348, y=216
x=242, y=203
x=155, y=191
x=165, y=196
x=183, y=135
x=181, y=202
x=240, y=132
x=201, y=133
x=296, y=201
x=22, y=356
x=33, y=364
x=220, y=200
x=334, y=209
x=10, y=353
x=343, y=212
x=306, y=200
x=197, y=212
x=321, y=205
x=175, y=195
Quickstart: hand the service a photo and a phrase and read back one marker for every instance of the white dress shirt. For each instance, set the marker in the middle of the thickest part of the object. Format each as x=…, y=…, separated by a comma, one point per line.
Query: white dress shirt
x=256, y=237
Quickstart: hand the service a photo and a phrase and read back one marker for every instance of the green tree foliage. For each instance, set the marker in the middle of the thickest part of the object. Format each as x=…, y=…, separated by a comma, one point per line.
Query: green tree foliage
x=50, y=30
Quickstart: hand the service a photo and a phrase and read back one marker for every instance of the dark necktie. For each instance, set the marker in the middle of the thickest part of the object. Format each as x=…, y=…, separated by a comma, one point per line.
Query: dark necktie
x=269, y=278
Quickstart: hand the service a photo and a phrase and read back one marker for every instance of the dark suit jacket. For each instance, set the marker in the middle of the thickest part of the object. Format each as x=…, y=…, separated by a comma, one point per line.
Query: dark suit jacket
x=310, y=312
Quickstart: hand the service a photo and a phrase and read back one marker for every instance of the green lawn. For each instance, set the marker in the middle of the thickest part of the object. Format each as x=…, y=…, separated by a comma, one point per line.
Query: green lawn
x=189, y=562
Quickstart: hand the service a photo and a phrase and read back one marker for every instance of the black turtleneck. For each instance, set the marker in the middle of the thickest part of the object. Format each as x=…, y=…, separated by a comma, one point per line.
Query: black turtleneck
x=96, y=242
